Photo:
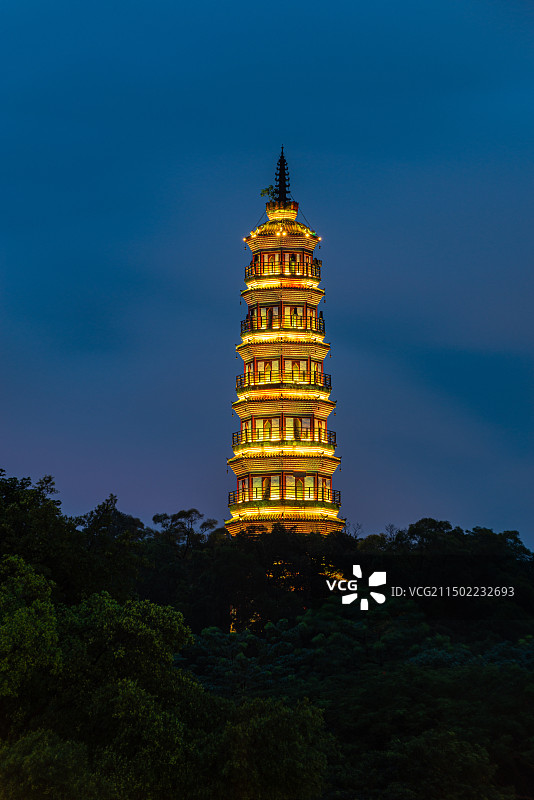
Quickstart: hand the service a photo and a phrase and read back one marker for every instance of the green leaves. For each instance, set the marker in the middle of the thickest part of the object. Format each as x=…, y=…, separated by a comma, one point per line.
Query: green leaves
x=273, y=752
x=41, y=765
x=96, y=702
x=434, y=764
x=95, y=708
x=28, y=626
x=136, y=636
x=268, y=192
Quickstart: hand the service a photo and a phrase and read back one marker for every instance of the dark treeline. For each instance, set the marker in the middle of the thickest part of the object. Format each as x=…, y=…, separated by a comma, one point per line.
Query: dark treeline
x=172, y=661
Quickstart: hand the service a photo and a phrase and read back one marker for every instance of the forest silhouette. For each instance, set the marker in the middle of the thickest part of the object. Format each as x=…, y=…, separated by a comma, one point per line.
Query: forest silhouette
x=174, y=661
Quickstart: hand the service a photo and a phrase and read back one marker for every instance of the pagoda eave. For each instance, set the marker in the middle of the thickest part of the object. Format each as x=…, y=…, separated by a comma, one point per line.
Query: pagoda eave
x=259, y=464
x=261, y=449
x=290, y=294
x=280, y=336
x=276, y=404
x=305, y=524
x=269, y=282
x=271, y=241
x=272, y=349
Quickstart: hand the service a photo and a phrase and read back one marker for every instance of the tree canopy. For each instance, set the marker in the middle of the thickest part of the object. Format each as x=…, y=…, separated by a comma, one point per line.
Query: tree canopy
x=148, y=662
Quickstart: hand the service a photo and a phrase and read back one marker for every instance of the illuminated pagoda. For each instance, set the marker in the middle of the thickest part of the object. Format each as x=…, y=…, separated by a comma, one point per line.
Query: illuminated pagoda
x=284, y=453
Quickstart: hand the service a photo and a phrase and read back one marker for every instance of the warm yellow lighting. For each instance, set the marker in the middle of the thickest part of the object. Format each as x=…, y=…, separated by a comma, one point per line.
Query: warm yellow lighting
x=284, y=335
x=288, y=394
x=283, y=450
x=270, y=284
x=252, y=338
x=288, y=512
x=287, y=390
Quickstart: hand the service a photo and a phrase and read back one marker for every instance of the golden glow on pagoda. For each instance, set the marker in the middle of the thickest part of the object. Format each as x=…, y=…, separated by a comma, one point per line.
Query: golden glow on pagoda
x=251, y=515
x=304, y=336
x=284, y=452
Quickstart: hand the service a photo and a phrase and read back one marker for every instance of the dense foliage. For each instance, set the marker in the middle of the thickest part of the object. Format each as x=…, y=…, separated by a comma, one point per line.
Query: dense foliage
x=281, y=691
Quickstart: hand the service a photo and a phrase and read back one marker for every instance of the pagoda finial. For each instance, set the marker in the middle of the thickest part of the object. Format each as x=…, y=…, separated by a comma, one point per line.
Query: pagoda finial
x=281, y=189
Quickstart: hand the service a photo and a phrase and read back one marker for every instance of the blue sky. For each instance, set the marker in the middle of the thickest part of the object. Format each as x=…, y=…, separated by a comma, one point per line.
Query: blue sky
x=136, y=138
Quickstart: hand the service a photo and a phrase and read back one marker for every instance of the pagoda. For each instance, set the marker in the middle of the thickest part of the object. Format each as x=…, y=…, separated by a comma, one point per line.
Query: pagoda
x=284, y=453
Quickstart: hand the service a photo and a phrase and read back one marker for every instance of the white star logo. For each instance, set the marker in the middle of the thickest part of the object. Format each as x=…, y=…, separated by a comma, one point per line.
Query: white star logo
x=376, y=579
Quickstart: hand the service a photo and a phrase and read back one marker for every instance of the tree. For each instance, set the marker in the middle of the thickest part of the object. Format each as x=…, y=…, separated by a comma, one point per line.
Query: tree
x=40, y=764
x=268, y=192
x=113, y=550
x=92, y=698
x=272, y=752
x=434, y=764
x=29, y=640
x=99, y=550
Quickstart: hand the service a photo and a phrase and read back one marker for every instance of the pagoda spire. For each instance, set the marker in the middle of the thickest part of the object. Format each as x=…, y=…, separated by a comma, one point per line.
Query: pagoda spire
x=281, y=189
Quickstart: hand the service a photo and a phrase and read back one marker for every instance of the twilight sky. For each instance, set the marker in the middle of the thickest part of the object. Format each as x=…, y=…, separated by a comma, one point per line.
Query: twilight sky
x=136, y=138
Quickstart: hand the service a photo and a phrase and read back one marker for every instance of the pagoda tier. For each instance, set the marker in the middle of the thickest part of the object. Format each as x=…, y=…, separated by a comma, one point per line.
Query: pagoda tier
x=284, y=452
x=282, y=406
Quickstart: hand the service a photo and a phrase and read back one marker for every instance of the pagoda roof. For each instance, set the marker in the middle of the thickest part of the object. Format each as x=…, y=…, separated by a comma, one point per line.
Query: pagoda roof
x=274, y=227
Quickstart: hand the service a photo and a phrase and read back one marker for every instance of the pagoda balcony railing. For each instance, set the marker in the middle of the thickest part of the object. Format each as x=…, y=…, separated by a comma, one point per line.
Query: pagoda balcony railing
x=287, y=322
x=297, y=270
x=275, y=377
x=308, y=493
x=246, y=437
